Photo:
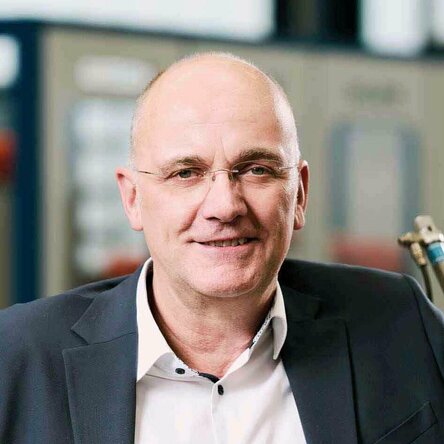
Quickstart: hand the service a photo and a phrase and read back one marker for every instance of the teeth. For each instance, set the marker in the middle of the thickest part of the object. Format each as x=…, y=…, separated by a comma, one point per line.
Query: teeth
x=228, y=243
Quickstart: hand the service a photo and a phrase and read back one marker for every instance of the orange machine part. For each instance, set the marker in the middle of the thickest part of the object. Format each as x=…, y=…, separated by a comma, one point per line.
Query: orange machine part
x=121, y=265
x=375, y=252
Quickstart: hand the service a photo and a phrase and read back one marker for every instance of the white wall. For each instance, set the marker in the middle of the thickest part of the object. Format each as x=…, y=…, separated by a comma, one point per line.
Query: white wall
x=240, y=19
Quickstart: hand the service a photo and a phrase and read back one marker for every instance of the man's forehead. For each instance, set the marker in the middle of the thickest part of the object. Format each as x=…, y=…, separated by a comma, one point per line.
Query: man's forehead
x=209, y=89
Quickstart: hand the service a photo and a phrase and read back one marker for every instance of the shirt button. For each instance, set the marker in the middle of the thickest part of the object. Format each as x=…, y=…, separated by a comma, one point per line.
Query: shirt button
x=220, y=390
x=180, y=371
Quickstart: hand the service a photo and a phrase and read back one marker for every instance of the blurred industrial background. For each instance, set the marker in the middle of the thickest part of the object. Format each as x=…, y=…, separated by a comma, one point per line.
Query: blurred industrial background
x=365, y=78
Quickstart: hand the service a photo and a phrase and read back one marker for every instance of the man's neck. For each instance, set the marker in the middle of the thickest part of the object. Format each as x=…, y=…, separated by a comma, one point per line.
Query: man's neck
x=208, y=336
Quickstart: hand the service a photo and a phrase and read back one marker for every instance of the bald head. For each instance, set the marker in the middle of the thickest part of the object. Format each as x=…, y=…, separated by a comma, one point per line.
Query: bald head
x=202, y=79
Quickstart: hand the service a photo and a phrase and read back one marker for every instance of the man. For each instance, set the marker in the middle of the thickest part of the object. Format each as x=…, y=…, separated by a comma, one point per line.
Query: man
x=204, y=343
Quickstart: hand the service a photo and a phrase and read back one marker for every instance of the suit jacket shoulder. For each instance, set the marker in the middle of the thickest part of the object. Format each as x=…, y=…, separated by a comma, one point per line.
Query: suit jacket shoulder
x=43, y=321
x=353, y=292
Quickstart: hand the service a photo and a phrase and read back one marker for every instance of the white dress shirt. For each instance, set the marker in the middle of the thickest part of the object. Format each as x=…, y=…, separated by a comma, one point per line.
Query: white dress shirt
x=251, y=403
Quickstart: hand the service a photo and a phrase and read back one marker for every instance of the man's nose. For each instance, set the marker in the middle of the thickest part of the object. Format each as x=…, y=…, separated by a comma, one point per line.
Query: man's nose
x=224, y=200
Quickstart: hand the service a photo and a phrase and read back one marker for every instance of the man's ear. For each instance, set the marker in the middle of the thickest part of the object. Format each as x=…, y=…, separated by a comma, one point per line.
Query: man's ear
x=129, y=195
x=301, y=204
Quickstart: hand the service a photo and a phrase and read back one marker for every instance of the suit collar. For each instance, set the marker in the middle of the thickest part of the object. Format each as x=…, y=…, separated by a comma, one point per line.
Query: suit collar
x=316, y=358
x=111, y=314
x=101, y=376
x=300, y=306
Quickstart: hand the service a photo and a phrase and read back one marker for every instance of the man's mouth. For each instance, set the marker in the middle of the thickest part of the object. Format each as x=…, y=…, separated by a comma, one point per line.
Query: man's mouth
x=227, y=242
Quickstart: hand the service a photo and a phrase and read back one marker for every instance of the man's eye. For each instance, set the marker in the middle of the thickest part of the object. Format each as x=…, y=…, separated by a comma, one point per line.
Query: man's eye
x=187, y=173
x=257, y=170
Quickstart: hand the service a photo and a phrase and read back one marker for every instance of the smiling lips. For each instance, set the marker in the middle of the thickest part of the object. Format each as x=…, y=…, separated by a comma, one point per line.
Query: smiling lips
x=227, y=242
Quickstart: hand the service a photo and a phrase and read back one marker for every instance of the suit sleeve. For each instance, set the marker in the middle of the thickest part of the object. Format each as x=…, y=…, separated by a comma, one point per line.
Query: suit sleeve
x=433, y=321
x=10, y=369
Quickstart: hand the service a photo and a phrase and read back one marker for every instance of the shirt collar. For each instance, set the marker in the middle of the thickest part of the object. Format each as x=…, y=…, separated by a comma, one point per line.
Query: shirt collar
x=278, y=321
x=152, y=345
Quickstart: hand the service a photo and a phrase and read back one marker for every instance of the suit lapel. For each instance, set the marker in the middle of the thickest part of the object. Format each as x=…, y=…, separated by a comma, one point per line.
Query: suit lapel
x=316, y=358
x=101, y=376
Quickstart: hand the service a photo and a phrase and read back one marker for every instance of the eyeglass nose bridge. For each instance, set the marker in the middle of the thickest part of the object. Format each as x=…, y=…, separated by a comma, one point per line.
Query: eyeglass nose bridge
x=231, y=173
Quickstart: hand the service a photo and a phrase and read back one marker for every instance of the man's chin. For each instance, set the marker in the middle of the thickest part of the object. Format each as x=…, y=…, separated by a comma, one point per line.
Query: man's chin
x=224, y=292
x=226, y=285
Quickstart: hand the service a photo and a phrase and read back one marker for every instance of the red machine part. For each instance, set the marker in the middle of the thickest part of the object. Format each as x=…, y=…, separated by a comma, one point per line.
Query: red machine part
x=7, y=155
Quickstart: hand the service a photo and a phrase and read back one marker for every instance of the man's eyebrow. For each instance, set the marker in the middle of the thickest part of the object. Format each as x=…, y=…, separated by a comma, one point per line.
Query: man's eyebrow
x=181, y=161
x=250, y=154
x=258, y=154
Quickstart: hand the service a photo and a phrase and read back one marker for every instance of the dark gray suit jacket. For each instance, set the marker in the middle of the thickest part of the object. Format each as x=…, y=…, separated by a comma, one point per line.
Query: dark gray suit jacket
x=364, y=356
